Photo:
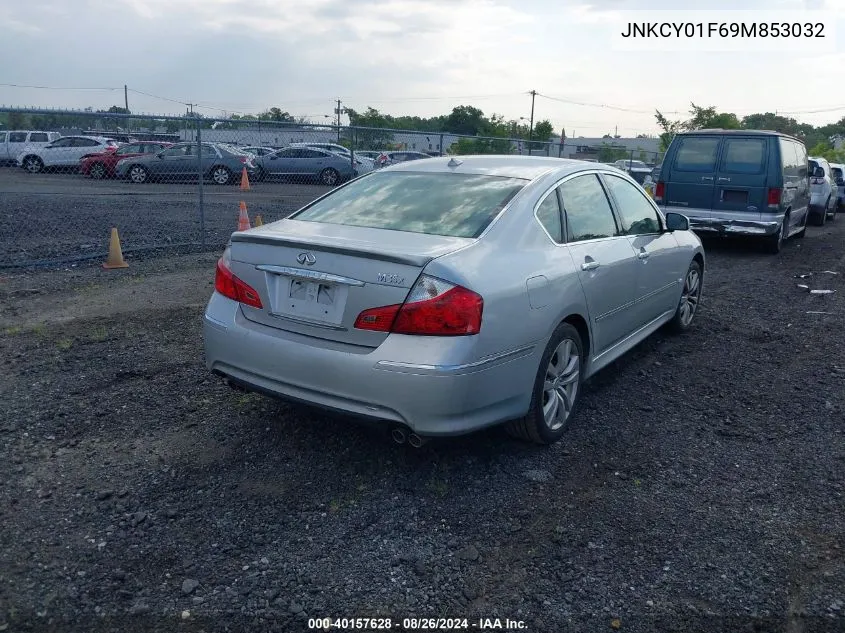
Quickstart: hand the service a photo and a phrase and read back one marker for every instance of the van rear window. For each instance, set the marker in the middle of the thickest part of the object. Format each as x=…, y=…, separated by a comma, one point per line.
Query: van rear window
x=744, y=155
x=697, y=153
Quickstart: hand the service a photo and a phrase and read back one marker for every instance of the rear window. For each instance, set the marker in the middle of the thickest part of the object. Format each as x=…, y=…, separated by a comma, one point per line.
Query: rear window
x=813, y=166
x=456, y=205
x=837, y=172
x=697, y=153
x=744, y=155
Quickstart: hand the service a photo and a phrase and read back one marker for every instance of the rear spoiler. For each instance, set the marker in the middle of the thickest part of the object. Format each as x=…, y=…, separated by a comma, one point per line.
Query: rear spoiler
x=393, y=258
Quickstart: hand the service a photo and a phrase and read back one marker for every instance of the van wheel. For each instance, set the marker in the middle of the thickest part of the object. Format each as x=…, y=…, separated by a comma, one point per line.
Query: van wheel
x=775, y=242
x=821, y=216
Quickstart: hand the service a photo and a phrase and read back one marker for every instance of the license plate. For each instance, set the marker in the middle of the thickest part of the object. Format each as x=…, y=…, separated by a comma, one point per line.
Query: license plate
x=311, y=292
x=310, y=300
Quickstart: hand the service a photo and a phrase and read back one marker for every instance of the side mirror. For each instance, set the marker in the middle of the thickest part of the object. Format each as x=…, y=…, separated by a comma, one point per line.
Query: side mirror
x=676, y=222
x=818, y=172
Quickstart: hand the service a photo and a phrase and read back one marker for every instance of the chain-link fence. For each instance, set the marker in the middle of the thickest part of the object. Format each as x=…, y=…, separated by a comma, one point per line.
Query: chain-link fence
x=168, y=182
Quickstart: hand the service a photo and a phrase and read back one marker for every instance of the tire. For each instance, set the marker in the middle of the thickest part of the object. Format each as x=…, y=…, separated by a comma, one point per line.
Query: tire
x=774, y=243
x=821, y=216
x=690, y=298
x=329, y=177
x=832, y=213
x=138, y=174
x=97, y=171
x=33, y=164
x=221, y=175
x=563, y=363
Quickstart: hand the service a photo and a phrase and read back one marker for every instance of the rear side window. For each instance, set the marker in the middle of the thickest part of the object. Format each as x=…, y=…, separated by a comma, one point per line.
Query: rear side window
x=2, y=137
x=456, y=205
x=744, y=155
x=38, y=137
x=813, y=166
x=17, y=137
x=587, y=209
x=801, y=157
x=549, y=215
x=697, y=153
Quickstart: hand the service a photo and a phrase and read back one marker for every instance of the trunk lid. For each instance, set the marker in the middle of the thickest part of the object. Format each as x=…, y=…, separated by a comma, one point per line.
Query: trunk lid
x=314, y=279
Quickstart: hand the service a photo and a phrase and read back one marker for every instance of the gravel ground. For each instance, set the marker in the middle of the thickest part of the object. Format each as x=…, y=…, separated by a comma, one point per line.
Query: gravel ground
x=700, y=488
x=65, y=215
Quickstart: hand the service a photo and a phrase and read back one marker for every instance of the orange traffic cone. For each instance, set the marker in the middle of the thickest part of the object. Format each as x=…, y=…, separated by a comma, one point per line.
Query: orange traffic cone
x=259, y=221
x=115, y=258
x=243, y=218
x=244, y=180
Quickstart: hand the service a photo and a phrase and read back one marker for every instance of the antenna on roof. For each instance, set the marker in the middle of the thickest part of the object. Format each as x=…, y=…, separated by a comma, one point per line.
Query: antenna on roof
x=454, y=162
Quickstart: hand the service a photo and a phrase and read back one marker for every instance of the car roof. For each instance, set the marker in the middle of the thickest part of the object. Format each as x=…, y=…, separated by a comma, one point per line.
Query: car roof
x=720, y=131
x=514, y=166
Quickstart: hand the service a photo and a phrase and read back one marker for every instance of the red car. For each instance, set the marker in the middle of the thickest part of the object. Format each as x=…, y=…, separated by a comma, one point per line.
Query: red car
x=102, y=165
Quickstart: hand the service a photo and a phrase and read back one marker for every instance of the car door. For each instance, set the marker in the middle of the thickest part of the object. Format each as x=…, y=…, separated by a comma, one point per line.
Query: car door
x=660, y=267
x=281, y=163
x=312, y=162
x=741, y=178
x=795, y=196
x=691, y=177
x=55, y=153
x=172, y=161
x=603, y=257
x=77, y=149
x=17, y=142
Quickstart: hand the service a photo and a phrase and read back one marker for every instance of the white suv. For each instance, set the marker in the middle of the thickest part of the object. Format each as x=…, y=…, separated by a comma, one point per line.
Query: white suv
x=823, y=191
x=64, y=152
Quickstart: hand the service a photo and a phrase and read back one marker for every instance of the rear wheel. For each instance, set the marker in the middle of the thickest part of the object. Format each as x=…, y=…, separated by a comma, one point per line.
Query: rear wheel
x=221, y=175
x=690, y=297
x=821, y=216
x=33, y=164
x=138, y=174
x=775, y=242
x=97, y=171
x=329, y=177
x=557, y=389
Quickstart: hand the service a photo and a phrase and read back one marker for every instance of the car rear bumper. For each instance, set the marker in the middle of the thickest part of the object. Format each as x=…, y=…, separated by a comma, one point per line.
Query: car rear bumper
x=752, y=224
x=430, y=399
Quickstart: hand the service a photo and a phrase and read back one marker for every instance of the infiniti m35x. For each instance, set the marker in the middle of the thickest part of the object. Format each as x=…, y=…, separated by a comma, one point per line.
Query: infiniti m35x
x=451, y=294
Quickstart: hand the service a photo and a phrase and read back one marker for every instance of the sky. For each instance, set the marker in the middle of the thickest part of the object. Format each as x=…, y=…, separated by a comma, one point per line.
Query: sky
x=415, y=57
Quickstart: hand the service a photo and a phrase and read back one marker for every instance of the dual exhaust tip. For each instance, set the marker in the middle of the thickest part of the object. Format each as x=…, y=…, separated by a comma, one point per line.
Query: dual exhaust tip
x=401, y=435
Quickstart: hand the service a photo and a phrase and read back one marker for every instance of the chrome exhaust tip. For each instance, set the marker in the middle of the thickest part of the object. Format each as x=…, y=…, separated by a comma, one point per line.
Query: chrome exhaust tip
x=416, y=441
x=398, y=435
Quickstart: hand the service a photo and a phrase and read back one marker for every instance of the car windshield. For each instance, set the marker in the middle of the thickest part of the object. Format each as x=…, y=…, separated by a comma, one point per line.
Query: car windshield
x=456, y=205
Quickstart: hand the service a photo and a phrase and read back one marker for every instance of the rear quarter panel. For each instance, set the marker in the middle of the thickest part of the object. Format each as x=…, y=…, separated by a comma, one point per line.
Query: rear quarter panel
x=499, y=266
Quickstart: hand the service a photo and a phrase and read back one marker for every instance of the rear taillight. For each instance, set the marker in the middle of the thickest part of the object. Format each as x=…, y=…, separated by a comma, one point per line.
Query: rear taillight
x=433, y=308
x=228, y=285
x=773, y=199
x=659, y=191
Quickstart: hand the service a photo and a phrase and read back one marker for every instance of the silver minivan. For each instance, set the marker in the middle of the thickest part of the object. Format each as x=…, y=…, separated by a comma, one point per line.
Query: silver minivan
x=823, y=190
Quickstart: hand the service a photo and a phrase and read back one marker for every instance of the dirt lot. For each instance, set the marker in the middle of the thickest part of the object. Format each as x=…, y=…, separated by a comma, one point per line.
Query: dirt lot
x=700, y=489
x=62, y=215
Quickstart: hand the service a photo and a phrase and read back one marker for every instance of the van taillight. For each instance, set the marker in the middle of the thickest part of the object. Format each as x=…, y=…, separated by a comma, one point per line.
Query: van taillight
x=659, y=191
x=774, y=197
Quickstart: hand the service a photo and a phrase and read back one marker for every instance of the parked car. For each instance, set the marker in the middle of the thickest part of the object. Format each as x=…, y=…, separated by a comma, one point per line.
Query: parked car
x=396, y=296
x=221, y=163
x=391, y=158
x=102, y=164
x=636, y=168
x=368, y=154
x=824, y=191
x=363, y=166
x=839, y=180
x=257, y=151
x=305, y=163
x=739, y=182
x=13, y=142
x=64, y=152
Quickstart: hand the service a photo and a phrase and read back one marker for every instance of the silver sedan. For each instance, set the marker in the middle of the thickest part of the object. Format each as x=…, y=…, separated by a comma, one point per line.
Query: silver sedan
x=447, y=295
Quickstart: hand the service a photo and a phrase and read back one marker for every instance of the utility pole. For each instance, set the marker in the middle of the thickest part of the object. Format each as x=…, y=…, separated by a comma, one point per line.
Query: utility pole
x=533, y=94
x=126, y=98
x=337, y=111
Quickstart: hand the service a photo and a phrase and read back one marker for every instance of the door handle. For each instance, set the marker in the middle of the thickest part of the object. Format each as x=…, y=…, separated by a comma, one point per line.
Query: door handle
x=707, y=177
x=590, y=265
x=722, y=179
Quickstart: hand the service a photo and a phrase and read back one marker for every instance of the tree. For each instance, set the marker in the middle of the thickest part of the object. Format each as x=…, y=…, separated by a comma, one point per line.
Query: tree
x=276, y=114
x=465, y=120
x=543, y=131
x=700, y=118
x=608, y=153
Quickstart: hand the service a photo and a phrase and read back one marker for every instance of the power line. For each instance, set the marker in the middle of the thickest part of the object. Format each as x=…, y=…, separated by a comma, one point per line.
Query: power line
x=55, y=87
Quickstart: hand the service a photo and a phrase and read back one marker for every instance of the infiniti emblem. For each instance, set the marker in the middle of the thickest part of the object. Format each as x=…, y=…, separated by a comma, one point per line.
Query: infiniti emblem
x=306, y=258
